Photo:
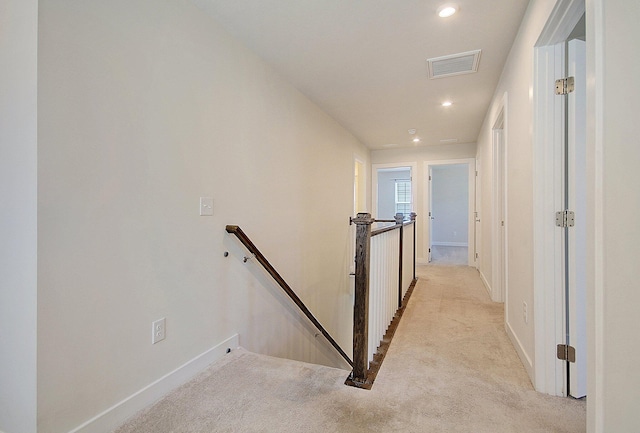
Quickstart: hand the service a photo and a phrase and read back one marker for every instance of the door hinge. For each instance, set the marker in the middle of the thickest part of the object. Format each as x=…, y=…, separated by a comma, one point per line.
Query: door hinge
x=566, y=352
x=564, y=86
x=565, y=218
x=476, y=255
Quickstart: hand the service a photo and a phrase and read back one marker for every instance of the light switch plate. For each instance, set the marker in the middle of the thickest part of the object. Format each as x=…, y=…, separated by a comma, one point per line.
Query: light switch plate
x=206, y=206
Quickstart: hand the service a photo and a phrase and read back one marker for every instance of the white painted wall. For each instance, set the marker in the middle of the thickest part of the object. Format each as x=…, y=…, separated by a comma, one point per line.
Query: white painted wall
x=18, y=223
x=419, y=155
x=145, y=106
x=450, y=204
x=613, y=104
x=516, y=81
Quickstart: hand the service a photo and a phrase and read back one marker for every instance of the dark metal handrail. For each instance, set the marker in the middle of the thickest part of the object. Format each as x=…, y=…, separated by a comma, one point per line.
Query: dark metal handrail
x=389, y=228
x=398, y=220
x=244, y=239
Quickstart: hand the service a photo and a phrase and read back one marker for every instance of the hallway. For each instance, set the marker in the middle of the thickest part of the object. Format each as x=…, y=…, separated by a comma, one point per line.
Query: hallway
x=450, y=368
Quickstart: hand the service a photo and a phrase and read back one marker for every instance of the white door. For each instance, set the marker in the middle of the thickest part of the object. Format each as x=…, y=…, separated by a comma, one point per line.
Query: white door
x=477, y=233
x=499, y=264
x=430, y=216
x=576, y=189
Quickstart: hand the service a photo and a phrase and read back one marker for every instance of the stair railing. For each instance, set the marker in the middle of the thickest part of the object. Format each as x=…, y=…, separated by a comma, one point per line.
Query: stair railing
x=244, y=239
x=384, y=279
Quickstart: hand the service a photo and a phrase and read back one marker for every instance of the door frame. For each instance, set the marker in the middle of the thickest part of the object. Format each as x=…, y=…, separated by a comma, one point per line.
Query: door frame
x=548, y=269
x=374, y=183
x=360, y=183
x=499, y=233
x=427, y=214
x=471, y=163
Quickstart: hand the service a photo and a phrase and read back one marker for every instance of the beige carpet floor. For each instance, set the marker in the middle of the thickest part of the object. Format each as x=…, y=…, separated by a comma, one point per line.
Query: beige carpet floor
x=450, y=368
x=448, y=255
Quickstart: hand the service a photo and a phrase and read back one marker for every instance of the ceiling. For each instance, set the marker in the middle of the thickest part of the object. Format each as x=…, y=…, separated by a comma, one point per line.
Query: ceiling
x=364, y=61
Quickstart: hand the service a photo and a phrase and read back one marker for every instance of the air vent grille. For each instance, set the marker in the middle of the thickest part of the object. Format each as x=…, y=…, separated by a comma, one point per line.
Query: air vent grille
x=455, y=64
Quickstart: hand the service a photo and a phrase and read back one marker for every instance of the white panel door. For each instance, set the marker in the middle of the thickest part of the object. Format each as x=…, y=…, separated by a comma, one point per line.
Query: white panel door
x=577, y=191
x=430, y=216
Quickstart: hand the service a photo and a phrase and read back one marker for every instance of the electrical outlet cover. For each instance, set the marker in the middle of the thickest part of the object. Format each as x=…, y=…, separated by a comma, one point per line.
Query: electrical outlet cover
x=158, y=330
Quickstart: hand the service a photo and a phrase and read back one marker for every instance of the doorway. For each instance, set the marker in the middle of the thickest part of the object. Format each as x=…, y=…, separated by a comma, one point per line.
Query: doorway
x=450, y=203
x=560, y=203
x=359, y=186
x=499, y=197
x=393, y=190
x=449, y=192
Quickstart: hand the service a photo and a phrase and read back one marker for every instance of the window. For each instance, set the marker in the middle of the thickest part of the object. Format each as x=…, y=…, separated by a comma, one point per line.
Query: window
x=403, y=197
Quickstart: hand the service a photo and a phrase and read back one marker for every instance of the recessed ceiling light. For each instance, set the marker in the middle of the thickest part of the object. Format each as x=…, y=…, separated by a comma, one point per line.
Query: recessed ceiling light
x=447, y=104
x=416, y=140
x=447, y=11
x=411, y=131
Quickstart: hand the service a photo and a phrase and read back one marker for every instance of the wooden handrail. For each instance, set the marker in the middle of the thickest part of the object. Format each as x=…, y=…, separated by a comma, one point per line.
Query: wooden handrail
x=244, y=239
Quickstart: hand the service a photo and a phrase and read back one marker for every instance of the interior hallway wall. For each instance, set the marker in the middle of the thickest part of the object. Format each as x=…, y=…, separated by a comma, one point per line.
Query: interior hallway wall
x=515, y=87
x=419, y=155
x=613, y=157
x=144, y=107
x=18, y=223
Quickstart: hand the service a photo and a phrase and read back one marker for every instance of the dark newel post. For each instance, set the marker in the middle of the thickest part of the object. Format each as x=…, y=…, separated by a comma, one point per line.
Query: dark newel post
x=399, y=219
x=363, y=223
x=413, y=216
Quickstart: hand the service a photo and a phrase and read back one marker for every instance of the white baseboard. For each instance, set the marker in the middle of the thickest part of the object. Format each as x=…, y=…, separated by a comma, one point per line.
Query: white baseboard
x=450, y=244
x=117, y=414
x=522, y=354
x=486, y=284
